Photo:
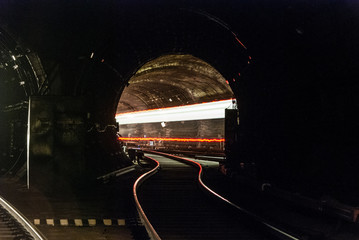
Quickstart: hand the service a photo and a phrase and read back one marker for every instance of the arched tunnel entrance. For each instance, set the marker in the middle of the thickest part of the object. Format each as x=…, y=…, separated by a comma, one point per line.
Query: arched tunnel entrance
x=187, y=50
x=167, y=82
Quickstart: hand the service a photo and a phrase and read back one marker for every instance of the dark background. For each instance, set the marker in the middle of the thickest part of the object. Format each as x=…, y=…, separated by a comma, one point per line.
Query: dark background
x=298, y=100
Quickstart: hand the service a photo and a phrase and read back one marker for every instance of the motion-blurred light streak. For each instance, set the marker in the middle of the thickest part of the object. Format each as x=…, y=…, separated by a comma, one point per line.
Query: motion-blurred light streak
x=171, y=139
x=210, y=110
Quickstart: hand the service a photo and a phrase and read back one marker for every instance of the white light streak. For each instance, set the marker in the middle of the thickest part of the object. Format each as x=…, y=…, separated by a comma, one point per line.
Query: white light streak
x=211, y=110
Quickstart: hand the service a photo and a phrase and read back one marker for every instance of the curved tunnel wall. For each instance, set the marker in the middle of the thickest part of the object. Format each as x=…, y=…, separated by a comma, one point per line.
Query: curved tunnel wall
x=173, y=80
x=21, y=76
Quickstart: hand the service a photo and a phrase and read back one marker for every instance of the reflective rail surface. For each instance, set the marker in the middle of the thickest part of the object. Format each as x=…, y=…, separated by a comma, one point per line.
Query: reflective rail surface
x=149, y=228
x=278, y=232
x=13, y=225
x=177, y=209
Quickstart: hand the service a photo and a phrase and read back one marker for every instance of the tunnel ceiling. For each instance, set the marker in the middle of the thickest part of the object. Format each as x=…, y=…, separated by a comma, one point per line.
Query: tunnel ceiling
x=173, y=80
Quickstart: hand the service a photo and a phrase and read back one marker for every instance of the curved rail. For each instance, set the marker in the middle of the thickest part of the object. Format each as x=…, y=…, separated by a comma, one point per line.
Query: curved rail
x=21, y=219
x=149, y=228
x=278, y=232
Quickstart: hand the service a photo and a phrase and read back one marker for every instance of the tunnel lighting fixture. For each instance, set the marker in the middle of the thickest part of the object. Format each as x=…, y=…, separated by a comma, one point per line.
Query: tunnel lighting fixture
x=209, y=110
x=171, y=139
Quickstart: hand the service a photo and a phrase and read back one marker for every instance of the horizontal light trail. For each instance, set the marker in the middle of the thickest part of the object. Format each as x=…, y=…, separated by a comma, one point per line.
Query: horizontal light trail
x=171, y=139
x=210, y=110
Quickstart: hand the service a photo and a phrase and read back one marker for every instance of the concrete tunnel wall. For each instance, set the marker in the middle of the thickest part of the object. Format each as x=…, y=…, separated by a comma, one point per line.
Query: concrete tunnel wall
x=297, y=100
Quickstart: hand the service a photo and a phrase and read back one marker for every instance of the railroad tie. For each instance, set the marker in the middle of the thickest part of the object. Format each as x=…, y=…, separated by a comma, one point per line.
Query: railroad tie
x=79, y=222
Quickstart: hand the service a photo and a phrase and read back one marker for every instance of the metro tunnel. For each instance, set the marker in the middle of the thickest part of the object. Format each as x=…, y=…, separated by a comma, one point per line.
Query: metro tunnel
x=70, y=71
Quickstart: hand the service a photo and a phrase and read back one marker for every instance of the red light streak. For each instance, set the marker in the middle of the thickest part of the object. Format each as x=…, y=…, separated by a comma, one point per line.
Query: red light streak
x=235, y=36
x=171, y=139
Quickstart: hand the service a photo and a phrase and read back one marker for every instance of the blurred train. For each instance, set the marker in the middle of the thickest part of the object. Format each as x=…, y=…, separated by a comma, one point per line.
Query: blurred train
x=186, y=136
x=196, y=128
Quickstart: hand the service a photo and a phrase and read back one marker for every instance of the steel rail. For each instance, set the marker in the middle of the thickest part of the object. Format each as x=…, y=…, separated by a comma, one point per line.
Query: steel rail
x=149, y=228
x=283, y=234
x=21, y=219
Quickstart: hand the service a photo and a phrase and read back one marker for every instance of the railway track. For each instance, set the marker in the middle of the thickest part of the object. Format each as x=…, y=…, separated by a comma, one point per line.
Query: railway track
x=13, y=226
x=172, y=206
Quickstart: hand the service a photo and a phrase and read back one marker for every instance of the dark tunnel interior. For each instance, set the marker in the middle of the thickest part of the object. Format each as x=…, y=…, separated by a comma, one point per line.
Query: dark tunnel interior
x=292, y=66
